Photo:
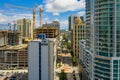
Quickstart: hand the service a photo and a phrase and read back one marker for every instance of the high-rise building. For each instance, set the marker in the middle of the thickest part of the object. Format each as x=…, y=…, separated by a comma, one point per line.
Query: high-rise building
x=41, y=66
x=82, y=56
x=55, y=24
x=50, y=32
x=71, y=20
x=25, y=26
x=103, y=39
x=78, y=33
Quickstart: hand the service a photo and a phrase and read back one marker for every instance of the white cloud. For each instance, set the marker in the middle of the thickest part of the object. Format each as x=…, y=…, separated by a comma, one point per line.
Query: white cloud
x=81, y=13
x=46, y=20
x=56, y=14
x=56, y=19
x=58, y=6
x=63, y=24
x=4, y=19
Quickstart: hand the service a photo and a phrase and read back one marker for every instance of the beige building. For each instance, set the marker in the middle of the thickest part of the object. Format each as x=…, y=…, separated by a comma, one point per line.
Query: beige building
x=51, y=32
x=3, y=38
x=78, y=33
x=12, y=57
x=25, y=26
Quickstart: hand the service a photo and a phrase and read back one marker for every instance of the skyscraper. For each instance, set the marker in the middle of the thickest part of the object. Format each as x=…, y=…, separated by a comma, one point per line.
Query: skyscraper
x=78, y=33
x=41, y=66
x=71, y=20
x=103, y=39
x=25, y=26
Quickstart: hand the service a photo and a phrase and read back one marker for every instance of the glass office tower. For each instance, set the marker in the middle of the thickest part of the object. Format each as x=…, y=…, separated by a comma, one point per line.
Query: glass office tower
x=103, y=39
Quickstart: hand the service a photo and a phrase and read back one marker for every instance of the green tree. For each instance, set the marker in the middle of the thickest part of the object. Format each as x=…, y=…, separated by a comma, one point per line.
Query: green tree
x=68, y=45
x=63, y=75
x=74, y=60
x=64, y=36
x=72, y=53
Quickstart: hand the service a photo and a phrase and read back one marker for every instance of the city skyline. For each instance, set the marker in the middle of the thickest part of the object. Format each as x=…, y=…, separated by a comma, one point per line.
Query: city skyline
x=53, y=10
x=60, y=40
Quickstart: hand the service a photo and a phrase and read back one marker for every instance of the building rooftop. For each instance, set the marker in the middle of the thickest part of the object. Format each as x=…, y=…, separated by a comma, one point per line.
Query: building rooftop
x=47, y=27
x=45, y=41
x=9, y=31
x=8, y=47
x=79, y=21
x=51, y=39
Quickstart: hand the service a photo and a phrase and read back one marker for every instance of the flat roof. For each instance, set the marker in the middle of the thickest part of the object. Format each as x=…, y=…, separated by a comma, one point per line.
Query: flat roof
x=8, y=47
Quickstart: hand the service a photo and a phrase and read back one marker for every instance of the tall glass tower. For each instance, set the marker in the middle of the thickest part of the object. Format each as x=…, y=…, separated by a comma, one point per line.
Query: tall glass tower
x=103, y=39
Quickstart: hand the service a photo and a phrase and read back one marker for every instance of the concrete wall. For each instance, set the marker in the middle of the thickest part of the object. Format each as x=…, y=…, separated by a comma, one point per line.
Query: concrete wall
x=51, y=63
x=44, y=62
x=33, y=63
x=43, y=53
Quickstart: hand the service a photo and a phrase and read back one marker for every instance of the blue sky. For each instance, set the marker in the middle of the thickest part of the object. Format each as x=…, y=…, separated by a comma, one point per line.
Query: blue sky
x=52, y=10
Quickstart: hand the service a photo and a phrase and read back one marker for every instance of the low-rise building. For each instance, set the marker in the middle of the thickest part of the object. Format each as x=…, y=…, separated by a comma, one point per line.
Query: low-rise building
x=3, y=37
x=13, y=56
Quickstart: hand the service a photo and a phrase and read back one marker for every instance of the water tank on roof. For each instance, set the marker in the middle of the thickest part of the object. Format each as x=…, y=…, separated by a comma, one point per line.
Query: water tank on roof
x=42, y=36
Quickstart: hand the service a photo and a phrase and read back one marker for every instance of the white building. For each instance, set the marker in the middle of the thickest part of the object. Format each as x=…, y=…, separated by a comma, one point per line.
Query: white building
x=103, y=39
x=40, y=61
x=82, y=50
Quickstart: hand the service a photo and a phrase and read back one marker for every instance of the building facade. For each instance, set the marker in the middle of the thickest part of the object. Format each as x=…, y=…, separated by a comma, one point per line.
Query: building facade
x=25, y=26
x=13, y=57
x=10, y=37
x=71, y=21
x=41, y=66
x=78, y=33
x=14, y=37
x=55, y=24
x=50, y=32
x=3, y=38
x=103, y=37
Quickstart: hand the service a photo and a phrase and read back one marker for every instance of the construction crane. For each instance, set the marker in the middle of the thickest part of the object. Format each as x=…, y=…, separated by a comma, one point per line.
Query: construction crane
x=33, y=10
x=40, y=9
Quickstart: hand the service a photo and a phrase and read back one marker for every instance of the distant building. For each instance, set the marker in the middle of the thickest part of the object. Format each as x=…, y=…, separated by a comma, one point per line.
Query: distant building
x=41, y=64
x=10, y=37
x=55, y=24
x=67, y=34
x=71, y=21
x=3, y=38
x=14, y=37
x=50, y=32
x=78, y=33
x=25, y=26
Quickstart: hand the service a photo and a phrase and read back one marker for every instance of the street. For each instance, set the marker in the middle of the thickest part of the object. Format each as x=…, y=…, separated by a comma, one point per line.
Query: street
x=66, y=64
x=73, y=71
